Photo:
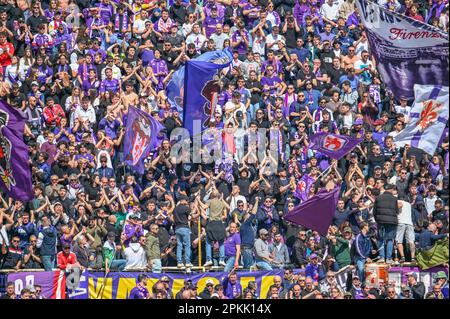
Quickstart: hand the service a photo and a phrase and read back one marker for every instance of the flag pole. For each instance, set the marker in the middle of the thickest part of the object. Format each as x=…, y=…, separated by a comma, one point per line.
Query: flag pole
x=199, y=231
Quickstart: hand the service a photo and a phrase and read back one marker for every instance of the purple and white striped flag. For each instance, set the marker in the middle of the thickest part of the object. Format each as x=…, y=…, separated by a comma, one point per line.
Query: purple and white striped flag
x=429, y=116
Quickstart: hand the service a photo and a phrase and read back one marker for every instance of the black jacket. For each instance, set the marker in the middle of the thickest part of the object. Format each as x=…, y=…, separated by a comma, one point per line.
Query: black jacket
x=385, y=209
x=298, y=253
x=418, y=290
x=229, y=14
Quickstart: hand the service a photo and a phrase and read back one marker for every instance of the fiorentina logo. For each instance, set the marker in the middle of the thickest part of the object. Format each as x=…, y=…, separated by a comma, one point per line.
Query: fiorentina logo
x=333, y=143
x=210, y=92
x=141, y=137
x=429, y=114
x=301, y=186
x=6, y=172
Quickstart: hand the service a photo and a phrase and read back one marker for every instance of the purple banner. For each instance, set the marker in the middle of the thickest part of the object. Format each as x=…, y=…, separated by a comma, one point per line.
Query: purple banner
x=15, y=173
x=407, y=51
x=52, y=282
x=332, y=145
x=317, y=212
x=140, y=138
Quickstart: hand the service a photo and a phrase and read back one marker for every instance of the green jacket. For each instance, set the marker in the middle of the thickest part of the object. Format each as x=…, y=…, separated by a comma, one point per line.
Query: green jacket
x=98, y=233
x=152, y=250
x=341, y=252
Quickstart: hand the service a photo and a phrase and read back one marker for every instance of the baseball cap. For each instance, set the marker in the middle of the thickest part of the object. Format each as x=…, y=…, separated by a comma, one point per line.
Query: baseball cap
x=111, y=234
x=34, y=83
x=378, y=122
x=358, y=122
x=209, y=282
x=377, y=167
x=347, y=230
x=165, y=279
x=263, y=231
x=353, y=155
x=312, y=256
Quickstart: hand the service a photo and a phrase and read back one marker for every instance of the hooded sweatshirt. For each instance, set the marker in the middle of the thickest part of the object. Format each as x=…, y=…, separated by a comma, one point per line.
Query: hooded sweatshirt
x=135, y=256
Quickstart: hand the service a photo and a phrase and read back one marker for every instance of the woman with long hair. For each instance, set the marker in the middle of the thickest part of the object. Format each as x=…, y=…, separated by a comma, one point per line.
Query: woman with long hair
x=12, y=71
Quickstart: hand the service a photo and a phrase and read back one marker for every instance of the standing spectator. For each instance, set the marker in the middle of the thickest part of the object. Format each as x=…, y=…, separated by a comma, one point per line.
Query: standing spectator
x=232, y=248
x=386, y=211
x=153, y=249
x=181, y=218
x=46, y=241
x=262, y=254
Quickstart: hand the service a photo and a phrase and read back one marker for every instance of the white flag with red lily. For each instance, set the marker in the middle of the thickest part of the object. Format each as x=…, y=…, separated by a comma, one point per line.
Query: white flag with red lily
x=429, y=116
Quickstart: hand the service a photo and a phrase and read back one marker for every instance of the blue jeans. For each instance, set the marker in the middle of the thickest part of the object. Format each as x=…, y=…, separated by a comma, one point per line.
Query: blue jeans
x=48, y=262
x=183, y=241
x=247, y=257
x=230, y=264
x=264, y=265
x=386, y=236
x=156, y=266
x=251, y=112
x=118, y=264
x=209, y=248
x=360, y=263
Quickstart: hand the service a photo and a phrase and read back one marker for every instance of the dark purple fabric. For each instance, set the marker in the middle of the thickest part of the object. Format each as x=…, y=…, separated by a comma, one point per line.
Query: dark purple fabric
x=15, y=174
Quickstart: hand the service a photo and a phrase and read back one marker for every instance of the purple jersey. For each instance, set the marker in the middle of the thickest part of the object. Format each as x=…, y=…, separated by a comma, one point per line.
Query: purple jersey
x=270, y=82
x=210, y=25
x=109, y=85
x=253, y=15
x=242, y=46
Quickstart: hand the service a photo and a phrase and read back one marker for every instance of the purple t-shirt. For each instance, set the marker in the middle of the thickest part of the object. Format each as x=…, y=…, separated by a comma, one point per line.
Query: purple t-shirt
x=109, y=85
x=230, y=244
x=210, y=25
x=270, y=82
x=242, y=46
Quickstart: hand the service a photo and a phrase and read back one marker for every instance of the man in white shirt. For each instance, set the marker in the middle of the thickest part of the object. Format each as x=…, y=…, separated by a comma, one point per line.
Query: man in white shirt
x=117, y=73
x=405, y=229
x=139, y=24
x=196, y=37
x=219, y=37
x=273, y=38
x=329, y=12
x=86, y=111
x=430, y=199
x=364, y=68
x=403, y=108
x=235, y=197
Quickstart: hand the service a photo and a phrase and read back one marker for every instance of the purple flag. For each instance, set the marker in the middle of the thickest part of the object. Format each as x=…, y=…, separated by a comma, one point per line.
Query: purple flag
x=317, y=212
x=333, y=145
x=303, y=187
x=15, y=170
x=141, y=137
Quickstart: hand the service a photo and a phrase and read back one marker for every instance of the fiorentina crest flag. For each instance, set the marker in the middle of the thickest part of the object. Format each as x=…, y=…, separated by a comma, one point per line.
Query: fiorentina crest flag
x=175, y=87
x=429, y=116
x=407, y=51
x=317, y=212
x=201, y=90
x=333, y=145
x=15, y=173
x=142, y=135
x=303, y=187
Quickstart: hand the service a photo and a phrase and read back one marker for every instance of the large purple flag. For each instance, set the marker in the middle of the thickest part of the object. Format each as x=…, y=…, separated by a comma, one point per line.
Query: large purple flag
x=333, y=145
x=140, y=138
x=317, y=212
x=15, y=170
x=303, y=187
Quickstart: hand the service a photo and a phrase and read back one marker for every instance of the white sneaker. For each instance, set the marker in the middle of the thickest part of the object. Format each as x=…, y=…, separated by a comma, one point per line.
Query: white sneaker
x=180, y=266
x=208, y=264
x=189, y=265
x=222, y=263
